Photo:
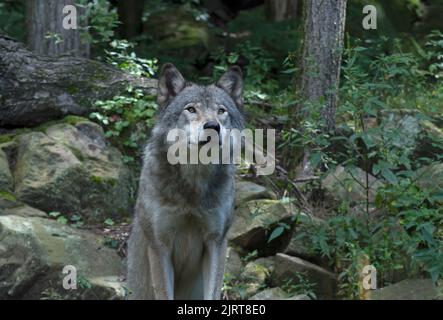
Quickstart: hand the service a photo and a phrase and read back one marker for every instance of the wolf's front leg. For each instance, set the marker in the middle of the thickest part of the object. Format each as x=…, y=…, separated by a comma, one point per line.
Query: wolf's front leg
x=213, y=268
x=162, y=272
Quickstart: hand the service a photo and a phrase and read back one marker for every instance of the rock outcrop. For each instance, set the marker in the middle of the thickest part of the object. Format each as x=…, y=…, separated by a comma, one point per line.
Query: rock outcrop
x=68, y=168
x=34, y=252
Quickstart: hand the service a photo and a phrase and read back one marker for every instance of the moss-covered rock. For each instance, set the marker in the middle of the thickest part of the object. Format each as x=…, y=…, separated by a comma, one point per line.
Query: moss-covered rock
x=179, y=37
x=258, y=270
x=254, y=222
x=255, y=275
x=409, y=289
x=72, y=169
x=288, y=268
x=34, y=252
x=177, y=28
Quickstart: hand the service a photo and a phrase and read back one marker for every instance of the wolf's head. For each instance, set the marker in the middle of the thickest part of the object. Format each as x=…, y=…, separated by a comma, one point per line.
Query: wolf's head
x=200, y=111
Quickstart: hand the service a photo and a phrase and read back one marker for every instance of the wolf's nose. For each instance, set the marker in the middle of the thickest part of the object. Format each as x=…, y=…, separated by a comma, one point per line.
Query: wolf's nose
x=212, y=125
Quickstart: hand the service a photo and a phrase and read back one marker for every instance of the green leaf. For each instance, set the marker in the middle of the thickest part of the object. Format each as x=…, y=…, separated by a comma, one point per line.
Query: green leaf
x=54, y=214
x=315, y=159
x=389, y=175
x=276, y=233
x=375, y=169
x=75, y=218
x=62, y=220
x=109, y=222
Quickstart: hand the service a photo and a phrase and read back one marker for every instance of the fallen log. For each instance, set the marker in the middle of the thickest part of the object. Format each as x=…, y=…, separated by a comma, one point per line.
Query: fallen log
x=35, y=89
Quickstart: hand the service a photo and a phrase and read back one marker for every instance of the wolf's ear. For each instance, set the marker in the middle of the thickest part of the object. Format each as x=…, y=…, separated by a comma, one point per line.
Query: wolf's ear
x=232, y=83
x=170, y=83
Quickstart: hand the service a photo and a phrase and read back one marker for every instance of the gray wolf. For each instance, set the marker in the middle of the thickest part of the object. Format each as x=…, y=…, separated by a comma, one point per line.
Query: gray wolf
x=177, y=245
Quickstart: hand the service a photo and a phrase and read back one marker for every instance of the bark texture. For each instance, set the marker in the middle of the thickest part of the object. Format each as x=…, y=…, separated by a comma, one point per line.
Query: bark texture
x=130, y=13
x=45, y=32
x=35, y=89
x=324, y=26
x=280, y=10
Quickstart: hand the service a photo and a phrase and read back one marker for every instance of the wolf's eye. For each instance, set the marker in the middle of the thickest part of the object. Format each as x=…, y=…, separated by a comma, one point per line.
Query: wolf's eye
x=221, y=111
x=191, y=109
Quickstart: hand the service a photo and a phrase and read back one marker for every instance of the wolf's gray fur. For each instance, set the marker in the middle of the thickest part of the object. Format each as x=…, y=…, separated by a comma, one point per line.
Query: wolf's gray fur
x=183, y=212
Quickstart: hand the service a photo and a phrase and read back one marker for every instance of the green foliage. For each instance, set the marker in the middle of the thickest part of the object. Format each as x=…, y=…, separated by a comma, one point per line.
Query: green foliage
x=250, y=256
x=74, y=220
x=126, y=118
x=99, y=21
x=121, y=55
x=384, y=99
x=278, y=231
x=275, y=39
x=434, y=54
x=257, y=71
x=83, y=282
x=111, y=243
x=12, y=19
x=51, y=294
x=109, y=222
x=232, y=287
x=302, y=286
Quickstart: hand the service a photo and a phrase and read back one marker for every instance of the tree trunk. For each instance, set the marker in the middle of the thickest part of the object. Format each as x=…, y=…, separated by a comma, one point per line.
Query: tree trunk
x=130, y=13
x=35, y=89
x=280, y=10
x=45, y=32
x=324, y=26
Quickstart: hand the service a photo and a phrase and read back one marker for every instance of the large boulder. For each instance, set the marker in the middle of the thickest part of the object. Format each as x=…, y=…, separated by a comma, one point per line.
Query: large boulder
x=21, y=209
x=347, y=186
x=409, y=289
x=302, y=248
x=34, y=251
x=412, y=132
x=431, y=178
x=246, y=191
x=301, y=245
x=288, y=268
x=255, y=221
x=406, y=125
x=71, y=169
